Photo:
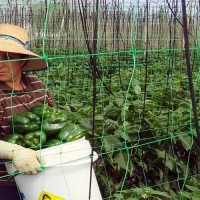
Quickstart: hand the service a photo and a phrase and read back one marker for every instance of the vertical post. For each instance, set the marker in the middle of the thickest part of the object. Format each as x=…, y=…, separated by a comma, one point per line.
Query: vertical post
x=189, y=70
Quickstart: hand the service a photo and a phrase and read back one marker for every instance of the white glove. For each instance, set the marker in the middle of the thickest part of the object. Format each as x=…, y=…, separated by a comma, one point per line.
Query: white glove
x=26, y=161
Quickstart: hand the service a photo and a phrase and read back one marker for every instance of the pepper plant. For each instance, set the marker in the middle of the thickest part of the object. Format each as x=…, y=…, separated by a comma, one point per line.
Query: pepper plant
x=144, y=132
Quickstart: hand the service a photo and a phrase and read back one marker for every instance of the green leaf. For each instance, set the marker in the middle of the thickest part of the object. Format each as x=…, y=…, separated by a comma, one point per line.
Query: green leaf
x=86, y=122
x=143, y=165
x=196, y=193
x=111, y=142
x=164, y=194
x=138, y=191
x=186, y=141
x=119, y=101
x=118, y=196
x=148, y=190
x=161, y=153
x=161, y=174
x=120, y=159
x=137, y=89
x=194, y=198
x=135, y=82
x=185, y=194
x=122, y=134
x=60, y=66
x=104, y=179
x=168, y=163
x=112, y=122
x=192, y=188
x=99, y=117
x=166, y=186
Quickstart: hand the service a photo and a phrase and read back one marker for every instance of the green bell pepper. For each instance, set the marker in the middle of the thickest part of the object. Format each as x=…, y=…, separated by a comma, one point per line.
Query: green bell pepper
x=70, y=133
x=53, y=125
x=51, y=143
x=25, y=122
x=42, y=110
x=55, y=113
x=14, y=138
x=53, y=119
x=35, y=140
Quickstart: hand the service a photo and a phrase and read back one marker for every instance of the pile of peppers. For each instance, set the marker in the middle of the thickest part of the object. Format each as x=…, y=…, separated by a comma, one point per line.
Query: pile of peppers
x=41, y=127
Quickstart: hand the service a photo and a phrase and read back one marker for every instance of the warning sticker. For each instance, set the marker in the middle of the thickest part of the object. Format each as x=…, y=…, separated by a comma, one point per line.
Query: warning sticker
x=48, y=196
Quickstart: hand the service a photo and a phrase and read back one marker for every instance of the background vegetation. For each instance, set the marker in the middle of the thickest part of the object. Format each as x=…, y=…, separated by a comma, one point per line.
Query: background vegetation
x=120, y=70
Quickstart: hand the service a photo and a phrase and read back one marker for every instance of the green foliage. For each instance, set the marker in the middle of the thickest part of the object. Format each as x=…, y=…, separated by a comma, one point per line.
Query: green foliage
x=144, y=129
x=141, y=193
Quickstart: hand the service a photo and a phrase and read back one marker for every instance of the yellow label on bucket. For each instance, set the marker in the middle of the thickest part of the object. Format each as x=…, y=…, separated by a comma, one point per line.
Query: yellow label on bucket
x=48, y=196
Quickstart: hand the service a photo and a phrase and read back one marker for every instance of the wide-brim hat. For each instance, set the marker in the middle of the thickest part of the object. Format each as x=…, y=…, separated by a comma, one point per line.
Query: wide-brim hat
x=14, y=39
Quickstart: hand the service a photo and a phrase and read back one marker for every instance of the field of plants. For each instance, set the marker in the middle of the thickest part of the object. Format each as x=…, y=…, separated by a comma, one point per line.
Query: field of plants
x=142, y=116
x=121, y=72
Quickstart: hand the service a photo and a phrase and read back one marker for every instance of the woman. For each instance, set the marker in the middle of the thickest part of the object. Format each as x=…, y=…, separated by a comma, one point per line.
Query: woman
x=18, y=93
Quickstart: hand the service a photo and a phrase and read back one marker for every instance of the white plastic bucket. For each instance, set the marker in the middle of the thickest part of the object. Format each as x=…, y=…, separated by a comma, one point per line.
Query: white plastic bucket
x=66, y=175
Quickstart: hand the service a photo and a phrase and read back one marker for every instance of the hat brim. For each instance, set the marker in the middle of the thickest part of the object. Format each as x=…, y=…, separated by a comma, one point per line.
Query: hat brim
x=34, y=61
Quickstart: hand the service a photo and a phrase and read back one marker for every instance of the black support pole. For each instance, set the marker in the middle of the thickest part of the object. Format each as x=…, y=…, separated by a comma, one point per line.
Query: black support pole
x=189, y=70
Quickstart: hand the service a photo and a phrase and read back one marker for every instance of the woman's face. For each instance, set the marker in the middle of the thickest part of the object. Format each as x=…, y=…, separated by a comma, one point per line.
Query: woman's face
x=10, y=67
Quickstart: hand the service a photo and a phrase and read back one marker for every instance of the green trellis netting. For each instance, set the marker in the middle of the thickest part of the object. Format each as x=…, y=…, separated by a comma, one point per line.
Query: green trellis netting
x=127, y=71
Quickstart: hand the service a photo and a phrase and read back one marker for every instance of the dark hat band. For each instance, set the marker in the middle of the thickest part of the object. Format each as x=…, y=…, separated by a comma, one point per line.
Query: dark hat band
x=26, y=45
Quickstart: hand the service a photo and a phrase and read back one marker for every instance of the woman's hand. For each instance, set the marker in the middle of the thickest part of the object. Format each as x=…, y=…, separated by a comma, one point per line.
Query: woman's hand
x=26, y=161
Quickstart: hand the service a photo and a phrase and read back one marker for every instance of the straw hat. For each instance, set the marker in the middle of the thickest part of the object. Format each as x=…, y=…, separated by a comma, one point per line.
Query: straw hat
x=14, y=39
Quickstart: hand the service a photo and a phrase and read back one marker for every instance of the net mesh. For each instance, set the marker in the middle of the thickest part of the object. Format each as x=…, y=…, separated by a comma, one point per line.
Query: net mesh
x=120, y=70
